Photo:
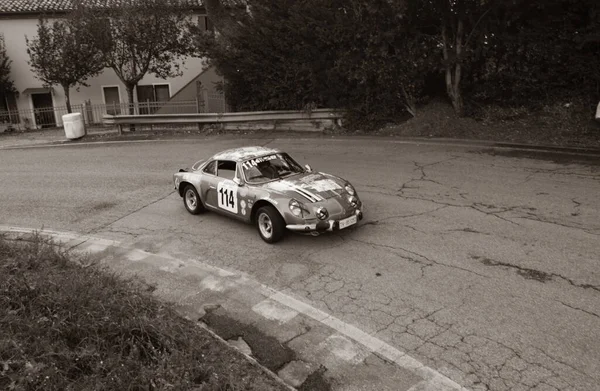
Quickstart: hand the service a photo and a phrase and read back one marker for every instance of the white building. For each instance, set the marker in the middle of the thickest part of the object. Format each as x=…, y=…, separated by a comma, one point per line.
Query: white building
x=38, y=106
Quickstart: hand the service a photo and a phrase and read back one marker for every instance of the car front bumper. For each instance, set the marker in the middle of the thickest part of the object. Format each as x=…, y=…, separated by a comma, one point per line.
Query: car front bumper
x=324, y=225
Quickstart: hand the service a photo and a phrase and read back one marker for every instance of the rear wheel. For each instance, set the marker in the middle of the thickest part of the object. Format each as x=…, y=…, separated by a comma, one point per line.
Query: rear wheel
x=270, y=224
x=192, y=201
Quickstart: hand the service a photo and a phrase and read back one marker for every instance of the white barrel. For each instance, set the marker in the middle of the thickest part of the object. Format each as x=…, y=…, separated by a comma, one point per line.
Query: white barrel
x=74, y=125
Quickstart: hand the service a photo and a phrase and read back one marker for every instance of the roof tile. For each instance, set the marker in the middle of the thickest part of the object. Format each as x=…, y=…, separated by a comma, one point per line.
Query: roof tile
x=41, y=6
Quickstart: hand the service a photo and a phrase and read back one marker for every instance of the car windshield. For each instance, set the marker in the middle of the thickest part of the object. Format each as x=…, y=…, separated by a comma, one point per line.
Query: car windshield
x=269, y=167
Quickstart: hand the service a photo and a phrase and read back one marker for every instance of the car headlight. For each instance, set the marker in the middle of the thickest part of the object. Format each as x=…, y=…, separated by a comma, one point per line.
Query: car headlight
x=297, y=208
x=322, y=213
x=353, y=200
x=350, y=189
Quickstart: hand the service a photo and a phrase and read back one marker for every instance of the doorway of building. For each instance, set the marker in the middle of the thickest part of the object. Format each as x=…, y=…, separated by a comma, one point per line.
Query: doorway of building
x=112, y=100
x=43, y=110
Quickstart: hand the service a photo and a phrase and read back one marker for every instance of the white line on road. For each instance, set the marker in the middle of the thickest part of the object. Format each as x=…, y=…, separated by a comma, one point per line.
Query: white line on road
x=433, y=380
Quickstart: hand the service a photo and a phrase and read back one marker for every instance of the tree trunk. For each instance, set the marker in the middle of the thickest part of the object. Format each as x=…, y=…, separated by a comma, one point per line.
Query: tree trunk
x=129, y=88
x=409, y=102
x=452, y=61
x=67, y=98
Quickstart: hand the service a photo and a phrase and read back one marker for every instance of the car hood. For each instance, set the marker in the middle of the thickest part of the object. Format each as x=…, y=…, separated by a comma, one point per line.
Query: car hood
x=311, y=187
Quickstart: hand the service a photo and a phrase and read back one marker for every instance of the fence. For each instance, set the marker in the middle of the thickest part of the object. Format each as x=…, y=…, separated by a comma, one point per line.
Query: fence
x=93, y=114
x=212, y=103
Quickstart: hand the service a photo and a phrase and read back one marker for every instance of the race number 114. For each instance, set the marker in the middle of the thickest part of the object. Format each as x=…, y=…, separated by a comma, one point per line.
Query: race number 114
x=227, y=195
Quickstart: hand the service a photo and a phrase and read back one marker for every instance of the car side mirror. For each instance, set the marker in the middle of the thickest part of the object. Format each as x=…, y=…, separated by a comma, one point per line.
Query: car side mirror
x=308, y=167
x=238, y=181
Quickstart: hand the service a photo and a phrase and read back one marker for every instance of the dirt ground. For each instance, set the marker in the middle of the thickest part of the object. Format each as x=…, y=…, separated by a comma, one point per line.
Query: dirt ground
x=558, y=128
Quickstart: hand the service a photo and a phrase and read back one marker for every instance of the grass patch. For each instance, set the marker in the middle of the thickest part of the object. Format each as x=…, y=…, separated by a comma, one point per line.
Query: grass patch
x=70, y=327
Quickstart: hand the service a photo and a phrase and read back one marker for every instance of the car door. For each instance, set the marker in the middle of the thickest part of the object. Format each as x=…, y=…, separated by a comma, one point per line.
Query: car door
x=223, y=192
x=208, y=183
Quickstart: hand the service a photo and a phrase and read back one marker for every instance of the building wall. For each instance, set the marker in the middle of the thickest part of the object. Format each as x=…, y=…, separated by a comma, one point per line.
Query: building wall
x=193, y=91
x=14, y=32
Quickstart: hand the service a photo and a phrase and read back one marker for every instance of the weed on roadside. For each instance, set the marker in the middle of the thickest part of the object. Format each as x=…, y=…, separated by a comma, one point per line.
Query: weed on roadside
x=68, y=326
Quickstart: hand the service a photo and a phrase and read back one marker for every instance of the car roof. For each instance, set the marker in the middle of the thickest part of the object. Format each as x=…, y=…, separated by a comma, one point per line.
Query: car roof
x=244, y=153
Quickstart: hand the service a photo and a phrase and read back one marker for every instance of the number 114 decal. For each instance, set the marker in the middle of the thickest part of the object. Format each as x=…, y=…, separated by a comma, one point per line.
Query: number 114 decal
x=227, y=196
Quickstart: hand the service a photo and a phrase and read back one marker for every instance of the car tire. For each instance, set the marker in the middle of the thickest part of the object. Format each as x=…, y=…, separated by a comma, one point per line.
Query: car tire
x=270, y=224
x=192, y=201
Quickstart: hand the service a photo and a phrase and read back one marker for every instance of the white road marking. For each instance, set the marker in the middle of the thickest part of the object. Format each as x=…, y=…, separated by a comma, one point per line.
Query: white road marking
x=433, y=380
x=372, y=343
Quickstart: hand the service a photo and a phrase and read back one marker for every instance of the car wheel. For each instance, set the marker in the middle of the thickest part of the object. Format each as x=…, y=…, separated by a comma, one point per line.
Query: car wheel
x=192, y=201
x=270, y=224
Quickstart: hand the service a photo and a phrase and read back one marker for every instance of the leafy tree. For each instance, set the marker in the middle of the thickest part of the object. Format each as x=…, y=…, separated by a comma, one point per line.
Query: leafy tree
x=268, y=54
x=65, y=52
x=546, y=50
x=373, y=57
x=389, y=62
x=144, y=36
x=296, y=54
x=6, y=84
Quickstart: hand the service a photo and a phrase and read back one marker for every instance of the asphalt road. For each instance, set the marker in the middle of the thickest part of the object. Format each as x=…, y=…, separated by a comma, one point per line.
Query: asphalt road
x=483, y=265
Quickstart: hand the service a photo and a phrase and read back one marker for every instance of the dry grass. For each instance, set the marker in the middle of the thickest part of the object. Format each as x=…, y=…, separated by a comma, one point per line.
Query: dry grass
x=68, y=327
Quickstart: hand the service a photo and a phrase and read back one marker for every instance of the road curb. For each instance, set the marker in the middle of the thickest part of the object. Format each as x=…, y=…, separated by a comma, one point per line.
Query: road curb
x=340, y=347
x=166, y=137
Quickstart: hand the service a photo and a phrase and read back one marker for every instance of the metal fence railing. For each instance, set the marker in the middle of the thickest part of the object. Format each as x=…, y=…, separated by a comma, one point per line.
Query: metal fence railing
x=93, y=114
x=213, y=103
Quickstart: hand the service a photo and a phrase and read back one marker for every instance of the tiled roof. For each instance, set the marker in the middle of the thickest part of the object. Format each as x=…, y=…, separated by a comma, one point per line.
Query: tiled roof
x=39, y=6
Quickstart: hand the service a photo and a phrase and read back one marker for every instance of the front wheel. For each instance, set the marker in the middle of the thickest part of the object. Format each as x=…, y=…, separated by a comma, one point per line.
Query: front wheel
x=192, y=201
x=270, y=224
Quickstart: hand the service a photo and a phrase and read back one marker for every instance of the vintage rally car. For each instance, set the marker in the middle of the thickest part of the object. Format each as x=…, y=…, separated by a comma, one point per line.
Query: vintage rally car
x=267, y=187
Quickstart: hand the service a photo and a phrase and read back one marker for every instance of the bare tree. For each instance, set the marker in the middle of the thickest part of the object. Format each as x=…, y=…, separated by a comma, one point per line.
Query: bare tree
x=65, y=53
x=460, y=21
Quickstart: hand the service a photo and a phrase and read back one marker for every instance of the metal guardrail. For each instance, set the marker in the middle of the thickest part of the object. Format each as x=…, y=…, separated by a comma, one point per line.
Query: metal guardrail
x=223, y=118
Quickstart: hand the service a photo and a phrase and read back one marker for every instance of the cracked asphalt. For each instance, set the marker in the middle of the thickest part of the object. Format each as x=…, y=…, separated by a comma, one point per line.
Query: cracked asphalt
x=482, y=264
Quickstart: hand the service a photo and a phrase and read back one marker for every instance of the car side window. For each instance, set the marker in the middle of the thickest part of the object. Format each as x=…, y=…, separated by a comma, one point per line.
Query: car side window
x=211, y=168
x=226, y=169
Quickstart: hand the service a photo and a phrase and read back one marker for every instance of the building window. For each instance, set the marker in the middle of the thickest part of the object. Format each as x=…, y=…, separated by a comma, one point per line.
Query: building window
x=150, y=96
x=205, y=24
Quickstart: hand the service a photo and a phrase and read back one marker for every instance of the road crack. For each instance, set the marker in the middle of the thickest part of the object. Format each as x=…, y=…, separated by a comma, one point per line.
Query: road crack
x=410, y=259
x=94, y=230
x=578, y=309
x=533, y=273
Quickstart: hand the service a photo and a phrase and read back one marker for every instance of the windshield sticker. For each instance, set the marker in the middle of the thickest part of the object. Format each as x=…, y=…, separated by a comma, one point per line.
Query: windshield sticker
x=254, y=162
